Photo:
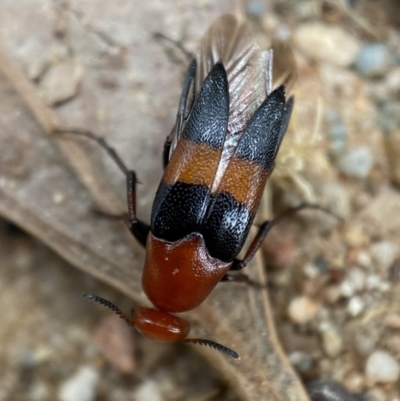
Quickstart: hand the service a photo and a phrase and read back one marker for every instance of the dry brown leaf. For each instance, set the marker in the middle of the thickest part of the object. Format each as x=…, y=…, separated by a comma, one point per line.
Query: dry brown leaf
x=42, y=193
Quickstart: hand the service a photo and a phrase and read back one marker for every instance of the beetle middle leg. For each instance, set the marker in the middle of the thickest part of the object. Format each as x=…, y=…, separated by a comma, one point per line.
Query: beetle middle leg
x=138, y=228
x=263, y=230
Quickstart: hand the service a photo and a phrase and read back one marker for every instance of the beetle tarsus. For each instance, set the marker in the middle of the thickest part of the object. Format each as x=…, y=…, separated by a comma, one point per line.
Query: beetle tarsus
x=216, y=346
x=176, y=43
x=242, y=278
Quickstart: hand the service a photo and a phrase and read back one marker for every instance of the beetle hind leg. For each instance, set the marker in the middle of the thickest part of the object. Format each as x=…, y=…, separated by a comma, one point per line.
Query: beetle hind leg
x=264, y=229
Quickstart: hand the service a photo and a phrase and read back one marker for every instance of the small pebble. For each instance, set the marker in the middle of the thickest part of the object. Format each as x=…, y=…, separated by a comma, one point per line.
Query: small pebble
x=354, y=282
x=356, y=277
x=373, y=60
x=346, y=289
x=337, y=132
x=39, y=391
x=301, y=361
x=327, y=43
x=365, y=342
x=303, y=309
x=331, y=339
x=81, y=386
x=332, y=294
x=392, y=81
x=356, y=306
x=384, y=254
x=364, y=259
x=311, y=271
x=354, y=382
x=148, y=391
x=373, y=282
x=355, y=236
x=254, y=8
x=357, y=162
x=381, y=367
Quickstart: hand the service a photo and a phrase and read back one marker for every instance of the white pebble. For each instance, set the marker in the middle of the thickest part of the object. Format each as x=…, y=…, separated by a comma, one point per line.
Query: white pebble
x=81, y=386
x=301, y=360
x=373, y=282
x=331, y=339
x=364, y=259
x=381, y=367
x=384, y=254
x=346, y=289
x=302, y=309
x=148, y=391
x=357, y=162
x=374, y=60
x=356, y=278
x=356, y=306
x=327, y=43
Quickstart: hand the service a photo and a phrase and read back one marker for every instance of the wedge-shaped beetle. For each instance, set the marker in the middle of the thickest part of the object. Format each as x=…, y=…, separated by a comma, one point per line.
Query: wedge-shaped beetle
x=217, y=161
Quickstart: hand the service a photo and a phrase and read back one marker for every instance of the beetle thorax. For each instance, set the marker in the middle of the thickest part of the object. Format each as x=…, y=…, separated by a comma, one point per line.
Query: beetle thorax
x=179, y=275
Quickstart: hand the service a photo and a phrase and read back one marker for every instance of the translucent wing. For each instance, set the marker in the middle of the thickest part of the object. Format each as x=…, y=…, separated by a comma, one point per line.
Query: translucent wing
x=284, y=69
x=249, y=72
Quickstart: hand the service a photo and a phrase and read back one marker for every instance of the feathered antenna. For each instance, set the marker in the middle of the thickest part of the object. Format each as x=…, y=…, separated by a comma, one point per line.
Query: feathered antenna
x=107, y=304
x=213, y=344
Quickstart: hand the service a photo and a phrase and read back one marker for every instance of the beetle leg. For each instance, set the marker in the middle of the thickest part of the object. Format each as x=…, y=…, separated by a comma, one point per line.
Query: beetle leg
x=167, y=148
x=264, y=230
x=255, y=245
x=241, y=278
x=101, y=141
x=138, y=228
x=178, y=44
x=111, y=216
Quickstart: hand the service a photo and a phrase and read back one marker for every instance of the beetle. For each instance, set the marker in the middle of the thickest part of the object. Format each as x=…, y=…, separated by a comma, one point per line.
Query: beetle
x=217, y=159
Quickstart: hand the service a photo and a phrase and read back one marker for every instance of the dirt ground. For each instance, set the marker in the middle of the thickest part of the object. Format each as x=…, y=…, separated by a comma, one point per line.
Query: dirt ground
x=333, y=283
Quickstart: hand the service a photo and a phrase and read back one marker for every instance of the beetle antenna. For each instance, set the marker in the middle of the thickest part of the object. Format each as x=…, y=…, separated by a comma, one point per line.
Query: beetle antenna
x=107, y=304
x=213, y=344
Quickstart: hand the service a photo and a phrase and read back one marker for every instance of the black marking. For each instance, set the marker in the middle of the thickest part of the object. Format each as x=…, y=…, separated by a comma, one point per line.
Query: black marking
x=208, y=119
x=226, y=227
x=262, y=136
x=178, y=210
